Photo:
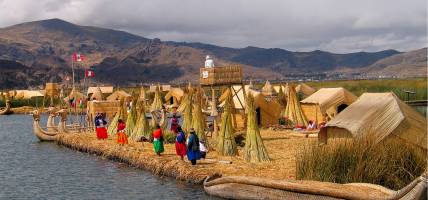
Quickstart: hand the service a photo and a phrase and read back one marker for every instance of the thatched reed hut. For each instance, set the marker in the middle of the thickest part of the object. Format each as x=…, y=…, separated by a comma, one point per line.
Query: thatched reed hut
x=118, y=95
x=305, y=90
x=110, y=108
x=326, y=103
x=174, y=96
x=268, y=111
x=379, y=115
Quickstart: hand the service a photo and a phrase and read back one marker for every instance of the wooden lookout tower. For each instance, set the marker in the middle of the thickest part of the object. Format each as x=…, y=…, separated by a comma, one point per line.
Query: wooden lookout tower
x=214, y=80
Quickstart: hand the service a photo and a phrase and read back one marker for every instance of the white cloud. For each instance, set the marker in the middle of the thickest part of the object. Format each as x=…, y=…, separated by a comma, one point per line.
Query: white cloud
x=334, y=25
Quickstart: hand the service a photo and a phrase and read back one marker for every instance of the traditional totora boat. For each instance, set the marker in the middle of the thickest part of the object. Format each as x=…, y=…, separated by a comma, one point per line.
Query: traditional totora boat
x=6, y=110
x=43, y=135
x=236, y=187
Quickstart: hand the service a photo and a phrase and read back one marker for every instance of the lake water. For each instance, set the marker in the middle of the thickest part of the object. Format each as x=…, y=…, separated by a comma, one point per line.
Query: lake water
x=30, y=169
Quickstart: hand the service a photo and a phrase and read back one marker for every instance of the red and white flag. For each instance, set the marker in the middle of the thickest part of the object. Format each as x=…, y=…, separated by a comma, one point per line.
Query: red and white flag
x=89, y=73
x=77, y=57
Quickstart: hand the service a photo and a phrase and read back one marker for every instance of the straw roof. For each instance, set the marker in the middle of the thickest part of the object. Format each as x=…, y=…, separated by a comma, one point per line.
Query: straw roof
x=119, y=94
x=382, y=115
x=267, y=89
x=330, y=97
x=74, y=94
x=163, y=88
x=28, y=94
x=97, y=94
x=104, y=89
x=174, y=92
x=270, y=109
x=305, y=89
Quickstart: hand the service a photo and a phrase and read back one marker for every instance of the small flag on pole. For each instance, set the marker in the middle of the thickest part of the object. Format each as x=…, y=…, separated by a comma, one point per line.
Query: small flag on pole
x=89, y=73
x=77, y=57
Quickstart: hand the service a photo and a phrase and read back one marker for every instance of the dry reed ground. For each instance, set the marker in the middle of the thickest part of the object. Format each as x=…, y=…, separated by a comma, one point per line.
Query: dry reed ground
x=281, y=146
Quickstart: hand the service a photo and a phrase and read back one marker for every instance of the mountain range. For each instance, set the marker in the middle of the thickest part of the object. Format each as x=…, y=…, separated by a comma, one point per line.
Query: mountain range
x=36, y=52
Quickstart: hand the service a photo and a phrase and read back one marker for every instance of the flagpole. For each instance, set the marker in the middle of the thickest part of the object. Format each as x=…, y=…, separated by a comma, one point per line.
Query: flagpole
x=72, y=69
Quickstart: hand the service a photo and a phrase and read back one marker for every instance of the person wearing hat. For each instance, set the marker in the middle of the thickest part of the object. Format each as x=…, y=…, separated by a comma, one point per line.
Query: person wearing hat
x=193, y=152
x=100, y=124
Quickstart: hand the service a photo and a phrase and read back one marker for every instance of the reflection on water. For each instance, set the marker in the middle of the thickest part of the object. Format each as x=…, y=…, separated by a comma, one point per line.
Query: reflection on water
x=30, y=169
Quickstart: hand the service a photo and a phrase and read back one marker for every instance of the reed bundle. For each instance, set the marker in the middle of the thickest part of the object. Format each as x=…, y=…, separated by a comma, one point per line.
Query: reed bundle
x=157, y=100
x=293, y=111
x=186, y=109
x=226, y=144
x=131, y=118
x=282, y=99
x=120, y=114
x=198, y=119
x=254, y=150
x=142, y=127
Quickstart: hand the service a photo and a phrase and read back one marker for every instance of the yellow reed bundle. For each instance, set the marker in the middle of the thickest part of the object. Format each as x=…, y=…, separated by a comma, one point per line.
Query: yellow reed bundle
x=157, y=101
x=120, y=114
x=198, y=119
x=254, y=150
x=293, y=111
x=226, y=144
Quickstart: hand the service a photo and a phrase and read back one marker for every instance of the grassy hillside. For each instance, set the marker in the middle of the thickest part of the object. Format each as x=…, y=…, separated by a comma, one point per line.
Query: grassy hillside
x=398, y=86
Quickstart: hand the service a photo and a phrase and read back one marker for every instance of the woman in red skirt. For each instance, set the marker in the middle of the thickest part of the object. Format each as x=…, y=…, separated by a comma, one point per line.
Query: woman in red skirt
x=100, y=124
x=180, y=143
x=121, y=136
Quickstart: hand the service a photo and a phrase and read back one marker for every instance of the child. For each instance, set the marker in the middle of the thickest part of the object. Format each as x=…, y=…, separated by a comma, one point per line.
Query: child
x=203, y=149
x=121, y=136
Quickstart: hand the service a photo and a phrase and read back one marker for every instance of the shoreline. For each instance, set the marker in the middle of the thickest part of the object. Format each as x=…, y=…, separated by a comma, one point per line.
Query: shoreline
x=133, y=155
x=282, y=147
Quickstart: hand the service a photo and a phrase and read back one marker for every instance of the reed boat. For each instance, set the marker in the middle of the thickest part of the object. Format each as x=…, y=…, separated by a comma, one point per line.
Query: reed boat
x=50, y=124
x=43, y=135
x=7, y=110
x=239, y=187
x=63, y=127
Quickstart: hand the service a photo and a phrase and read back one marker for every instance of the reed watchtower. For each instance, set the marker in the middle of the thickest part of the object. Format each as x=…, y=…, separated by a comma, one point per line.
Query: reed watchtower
x=214, y=80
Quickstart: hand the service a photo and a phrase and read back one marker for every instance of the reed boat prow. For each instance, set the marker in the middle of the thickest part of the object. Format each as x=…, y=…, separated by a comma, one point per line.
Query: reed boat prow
x=39, y=132
x=7, y=110
x=239, y=187
x=50, y=124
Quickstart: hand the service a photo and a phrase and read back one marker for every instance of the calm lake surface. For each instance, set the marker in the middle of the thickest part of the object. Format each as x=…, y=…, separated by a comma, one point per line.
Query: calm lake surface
x=30, y=169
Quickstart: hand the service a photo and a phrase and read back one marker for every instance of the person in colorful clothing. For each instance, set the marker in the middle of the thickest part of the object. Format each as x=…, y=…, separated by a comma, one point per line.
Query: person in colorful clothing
x=158, y=140
x=180, y=143
x=193, y=152
x=100, y=123
x=174, y=123
x=121, y=136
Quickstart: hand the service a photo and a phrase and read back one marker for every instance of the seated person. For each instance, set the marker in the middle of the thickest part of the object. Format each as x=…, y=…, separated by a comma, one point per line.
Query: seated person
x=311, y=126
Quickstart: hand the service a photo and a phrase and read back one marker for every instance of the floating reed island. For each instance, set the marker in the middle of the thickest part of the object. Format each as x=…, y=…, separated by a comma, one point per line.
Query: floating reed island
x=282, y=148
x=260, y=140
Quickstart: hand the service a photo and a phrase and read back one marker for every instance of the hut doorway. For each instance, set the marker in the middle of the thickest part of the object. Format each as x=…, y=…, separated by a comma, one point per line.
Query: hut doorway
x=341, y=107
x=259, y=116
x=171, y=100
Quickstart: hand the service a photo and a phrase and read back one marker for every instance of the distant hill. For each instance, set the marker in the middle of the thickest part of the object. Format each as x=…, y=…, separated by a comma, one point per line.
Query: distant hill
x=45, y=48
x=409, y=64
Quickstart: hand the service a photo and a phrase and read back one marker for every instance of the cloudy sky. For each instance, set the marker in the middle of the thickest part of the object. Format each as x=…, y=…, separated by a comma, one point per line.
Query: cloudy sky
x=299, y=25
